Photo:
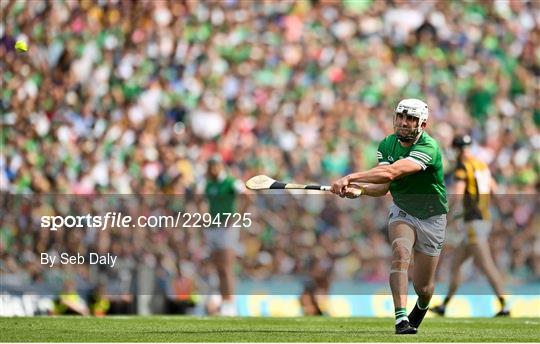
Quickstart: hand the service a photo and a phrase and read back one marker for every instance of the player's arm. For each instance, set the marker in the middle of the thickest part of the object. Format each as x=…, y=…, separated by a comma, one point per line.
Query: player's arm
x=238, y=187
x=199, y=197
x=456, y=197
x=381, y=174
x=373, y=190
x=459, y=188
x=493, y=186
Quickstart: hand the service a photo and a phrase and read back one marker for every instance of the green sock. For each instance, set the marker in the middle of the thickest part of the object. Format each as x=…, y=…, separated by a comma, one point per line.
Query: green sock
x=422, y=305
x=401, y=314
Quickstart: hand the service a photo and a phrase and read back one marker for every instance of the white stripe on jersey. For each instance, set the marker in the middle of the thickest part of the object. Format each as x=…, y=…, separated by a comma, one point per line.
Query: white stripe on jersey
x=424, y=157
x=418, y=158
x=421, y=154
x=417, y=161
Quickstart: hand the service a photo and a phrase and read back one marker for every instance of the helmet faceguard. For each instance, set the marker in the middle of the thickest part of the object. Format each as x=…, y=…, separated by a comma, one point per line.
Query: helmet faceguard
x=410, y=107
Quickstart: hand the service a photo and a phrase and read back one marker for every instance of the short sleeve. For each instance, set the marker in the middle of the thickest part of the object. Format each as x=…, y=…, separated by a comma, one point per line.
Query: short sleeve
x=238, y=187
x=424, y=154
x=382, y=154
x=200, y=187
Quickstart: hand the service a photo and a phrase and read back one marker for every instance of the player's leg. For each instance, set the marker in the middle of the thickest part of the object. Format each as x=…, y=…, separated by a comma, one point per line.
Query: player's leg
x=430, y=235
x=479, y=231
x=424, y=268
x=222, y=243
x=223, y=260
x=484, y=261
x=461, y=254
x=401, y=235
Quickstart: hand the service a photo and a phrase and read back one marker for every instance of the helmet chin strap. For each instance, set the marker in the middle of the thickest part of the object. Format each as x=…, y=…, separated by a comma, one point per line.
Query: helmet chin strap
x=405, y=139
x=410, y=137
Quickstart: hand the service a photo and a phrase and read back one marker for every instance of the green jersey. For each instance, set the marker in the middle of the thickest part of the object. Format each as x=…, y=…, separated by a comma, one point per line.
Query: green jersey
x=221, y=194
x=421, y=194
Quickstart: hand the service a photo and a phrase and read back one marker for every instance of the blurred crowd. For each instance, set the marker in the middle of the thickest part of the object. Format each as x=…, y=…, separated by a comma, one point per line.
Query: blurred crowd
x=132, y=97
x=123, y=97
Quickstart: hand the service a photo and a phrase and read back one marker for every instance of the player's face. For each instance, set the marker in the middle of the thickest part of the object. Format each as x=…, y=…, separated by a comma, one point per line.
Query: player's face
x=405, y=124
x=214, y=170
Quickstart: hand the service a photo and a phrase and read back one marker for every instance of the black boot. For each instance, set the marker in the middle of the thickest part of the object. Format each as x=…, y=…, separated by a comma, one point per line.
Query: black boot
x=404, y=327
x=503, y=313
x=439, y=310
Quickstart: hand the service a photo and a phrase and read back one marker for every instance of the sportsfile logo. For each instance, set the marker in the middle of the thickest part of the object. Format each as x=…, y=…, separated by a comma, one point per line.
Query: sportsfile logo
x=85, y=221
x=119, y=220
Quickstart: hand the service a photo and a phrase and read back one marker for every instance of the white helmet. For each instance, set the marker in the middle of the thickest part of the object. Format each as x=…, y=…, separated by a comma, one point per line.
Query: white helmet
x=415, y=108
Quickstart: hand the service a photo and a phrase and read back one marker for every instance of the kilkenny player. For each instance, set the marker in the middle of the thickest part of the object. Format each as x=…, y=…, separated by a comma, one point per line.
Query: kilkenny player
x=474, y=185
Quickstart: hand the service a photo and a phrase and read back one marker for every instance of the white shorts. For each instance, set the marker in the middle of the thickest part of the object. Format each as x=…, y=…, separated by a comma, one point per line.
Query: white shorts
x=430, y=232
x=222, y=238
x=476, y=231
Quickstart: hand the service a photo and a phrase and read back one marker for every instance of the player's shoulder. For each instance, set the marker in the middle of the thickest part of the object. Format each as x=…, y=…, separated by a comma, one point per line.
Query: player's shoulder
x=232, y=180
x=478, y=164
x=426, y=138
x=392, y=138
x=235, y=184
x=228, y=179
x=426, y=141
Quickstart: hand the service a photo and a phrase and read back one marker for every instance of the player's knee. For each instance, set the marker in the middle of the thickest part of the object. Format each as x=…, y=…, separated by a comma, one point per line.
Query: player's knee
x=424, y=289
x=222, y=270
x=402, y=248
x=401, y=255
x=455, y=269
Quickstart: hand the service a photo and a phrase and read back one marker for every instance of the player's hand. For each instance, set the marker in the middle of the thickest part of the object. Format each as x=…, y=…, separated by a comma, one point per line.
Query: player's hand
x=352, y=192
x=338, y=187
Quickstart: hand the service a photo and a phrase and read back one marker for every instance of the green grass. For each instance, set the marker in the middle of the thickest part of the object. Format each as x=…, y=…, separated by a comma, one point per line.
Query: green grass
x=211, y=329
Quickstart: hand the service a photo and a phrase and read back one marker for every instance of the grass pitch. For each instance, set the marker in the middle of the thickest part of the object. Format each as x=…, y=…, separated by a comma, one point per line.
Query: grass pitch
x=212, y=329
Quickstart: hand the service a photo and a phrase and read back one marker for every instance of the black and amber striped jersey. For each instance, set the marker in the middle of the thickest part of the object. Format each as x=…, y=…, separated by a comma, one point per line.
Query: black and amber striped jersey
x=477, y=178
